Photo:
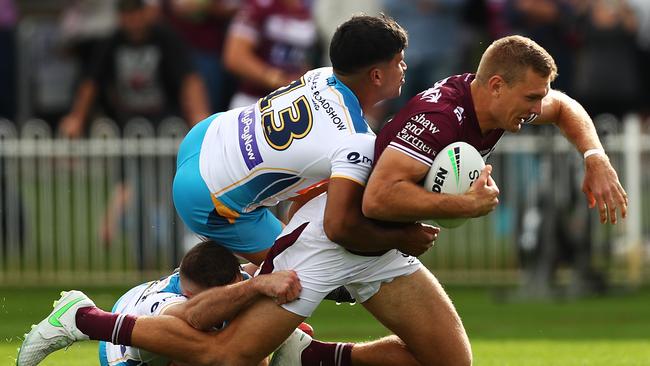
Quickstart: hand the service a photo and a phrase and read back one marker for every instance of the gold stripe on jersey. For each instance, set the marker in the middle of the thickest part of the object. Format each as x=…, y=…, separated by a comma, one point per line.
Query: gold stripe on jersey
x=348, y=118
x=253, y=172
x=363, y=184
x=223, y=210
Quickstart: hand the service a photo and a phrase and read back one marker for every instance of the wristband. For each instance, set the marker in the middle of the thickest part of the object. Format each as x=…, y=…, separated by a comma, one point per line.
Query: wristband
x=591, y=152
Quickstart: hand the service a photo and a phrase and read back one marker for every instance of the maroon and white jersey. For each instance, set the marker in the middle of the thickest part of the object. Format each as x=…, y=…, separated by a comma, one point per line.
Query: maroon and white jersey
x=283, y=34
x=434, y=119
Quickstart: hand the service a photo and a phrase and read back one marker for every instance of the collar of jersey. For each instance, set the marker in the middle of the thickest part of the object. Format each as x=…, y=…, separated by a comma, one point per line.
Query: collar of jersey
x=353, y=105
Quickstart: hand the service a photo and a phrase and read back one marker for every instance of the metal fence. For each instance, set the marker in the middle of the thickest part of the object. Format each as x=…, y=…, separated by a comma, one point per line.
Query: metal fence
x=55, y=195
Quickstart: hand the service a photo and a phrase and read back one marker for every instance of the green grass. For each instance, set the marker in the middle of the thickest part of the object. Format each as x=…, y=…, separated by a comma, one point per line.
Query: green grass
x=605, y=331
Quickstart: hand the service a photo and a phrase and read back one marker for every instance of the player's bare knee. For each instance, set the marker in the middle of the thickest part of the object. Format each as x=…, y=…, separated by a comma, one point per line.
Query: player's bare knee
x=459, y=355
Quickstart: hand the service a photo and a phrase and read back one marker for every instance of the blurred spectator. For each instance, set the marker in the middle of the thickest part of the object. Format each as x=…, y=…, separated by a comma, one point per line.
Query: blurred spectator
x=269, y=44
x=143, y=69
x=434, y=28
x=8, y=20
x=476, y=19
x=84, y=24
x=496, y=18
x=556, y=229
x=607, y=71
x=203, y=24
x=549, y=23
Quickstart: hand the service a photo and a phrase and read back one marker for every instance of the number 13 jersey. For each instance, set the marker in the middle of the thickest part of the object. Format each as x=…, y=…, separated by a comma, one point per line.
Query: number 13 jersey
x=294, y=138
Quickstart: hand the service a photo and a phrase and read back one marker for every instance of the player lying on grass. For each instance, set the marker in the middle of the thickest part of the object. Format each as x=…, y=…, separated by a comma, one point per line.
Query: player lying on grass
x=207, y=265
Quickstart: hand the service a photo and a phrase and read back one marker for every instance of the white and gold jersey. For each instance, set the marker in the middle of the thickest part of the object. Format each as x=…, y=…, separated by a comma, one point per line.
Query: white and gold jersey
x=297, y=136
x=151, y=299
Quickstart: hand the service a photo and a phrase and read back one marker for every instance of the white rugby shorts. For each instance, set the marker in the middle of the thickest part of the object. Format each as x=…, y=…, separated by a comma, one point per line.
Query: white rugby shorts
x=323, y=266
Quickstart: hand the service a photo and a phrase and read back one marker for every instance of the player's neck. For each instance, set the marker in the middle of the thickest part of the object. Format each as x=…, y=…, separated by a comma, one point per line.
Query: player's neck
x=365, y=93
x=481, y=107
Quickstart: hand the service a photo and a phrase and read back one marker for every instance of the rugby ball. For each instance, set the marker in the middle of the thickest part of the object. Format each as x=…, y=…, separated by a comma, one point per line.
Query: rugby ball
x=453, y=171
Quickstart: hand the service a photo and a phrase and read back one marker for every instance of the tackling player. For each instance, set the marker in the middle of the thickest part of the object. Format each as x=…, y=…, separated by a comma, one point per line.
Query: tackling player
x=205, y=266
x=235, y=164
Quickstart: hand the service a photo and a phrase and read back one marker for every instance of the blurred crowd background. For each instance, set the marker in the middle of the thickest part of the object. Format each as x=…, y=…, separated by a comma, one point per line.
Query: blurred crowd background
x=66, y=61
x=69, y=63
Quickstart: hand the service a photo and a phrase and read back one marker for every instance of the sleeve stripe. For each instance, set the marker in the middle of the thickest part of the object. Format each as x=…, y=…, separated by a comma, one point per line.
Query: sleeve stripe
x=363, y=184
x=417, y=156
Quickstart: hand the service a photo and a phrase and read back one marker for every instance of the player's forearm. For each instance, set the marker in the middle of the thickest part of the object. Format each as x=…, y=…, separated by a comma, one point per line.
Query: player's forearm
x=409, y=202
x=575, y=123
x=240, y=59
x=212, y=307
x=365, y=235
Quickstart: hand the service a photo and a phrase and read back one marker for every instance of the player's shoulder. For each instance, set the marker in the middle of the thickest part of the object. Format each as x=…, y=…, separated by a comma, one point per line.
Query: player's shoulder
x=443, y=103
x=445, y=94
x=319, y=79
x=169, y=284
x=333, y=100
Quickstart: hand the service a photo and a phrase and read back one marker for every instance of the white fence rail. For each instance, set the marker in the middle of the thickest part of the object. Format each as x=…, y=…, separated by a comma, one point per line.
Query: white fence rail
x=55, y=195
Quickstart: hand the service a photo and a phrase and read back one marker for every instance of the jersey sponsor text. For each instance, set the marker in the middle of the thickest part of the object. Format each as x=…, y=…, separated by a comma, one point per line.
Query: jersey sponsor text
x=247, y=143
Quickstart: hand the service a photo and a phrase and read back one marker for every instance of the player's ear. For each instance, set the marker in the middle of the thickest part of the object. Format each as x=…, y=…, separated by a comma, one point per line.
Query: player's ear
x=495, y=84
x=376, y=76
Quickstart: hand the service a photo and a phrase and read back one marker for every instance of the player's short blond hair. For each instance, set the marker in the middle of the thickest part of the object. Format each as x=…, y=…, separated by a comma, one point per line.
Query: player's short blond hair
x=510, y=57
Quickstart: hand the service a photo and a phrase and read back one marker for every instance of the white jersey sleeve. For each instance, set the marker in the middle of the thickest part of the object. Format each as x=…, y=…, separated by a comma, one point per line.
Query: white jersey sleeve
x=352, y=159
x=156, y=304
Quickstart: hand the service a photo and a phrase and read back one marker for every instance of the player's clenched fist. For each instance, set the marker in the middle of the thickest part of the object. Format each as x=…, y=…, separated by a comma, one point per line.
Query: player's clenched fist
x=484, y=193
x=282, y=286
x=418, y=239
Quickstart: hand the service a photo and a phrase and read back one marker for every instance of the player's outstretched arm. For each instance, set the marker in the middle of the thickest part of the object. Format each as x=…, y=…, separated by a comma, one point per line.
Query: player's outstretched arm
x=394, y=193
x=212, y=307
x=601, y=184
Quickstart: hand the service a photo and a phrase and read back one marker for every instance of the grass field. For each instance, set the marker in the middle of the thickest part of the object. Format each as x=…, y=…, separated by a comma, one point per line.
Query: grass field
x=607, y=331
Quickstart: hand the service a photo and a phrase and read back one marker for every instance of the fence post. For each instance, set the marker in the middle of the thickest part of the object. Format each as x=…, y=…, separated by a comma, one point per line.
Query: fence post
x=633, y=232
